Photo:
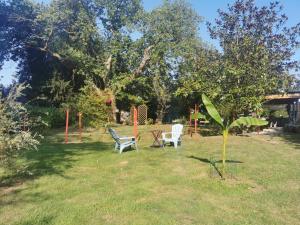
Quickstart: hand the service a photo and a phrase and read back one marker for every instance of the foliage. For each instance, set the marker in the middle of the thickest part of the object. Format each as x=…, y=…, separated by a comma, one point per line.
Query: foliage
x=51, y=116
x=16, y=126
x=170, y=30
x=181, y=120
x=149, y=121
x=59, y=91
x=226, y=125
x=92, y=103
x=256, y=58
x=257, y=54
x=144, y=57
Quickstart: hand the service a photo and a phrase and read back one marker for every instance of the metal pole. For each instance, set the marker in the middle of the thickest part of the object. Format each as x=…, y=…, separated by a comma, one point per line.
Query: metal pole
x=135, y=122
x=80, y=125
x=67, y=126
x=195, y=118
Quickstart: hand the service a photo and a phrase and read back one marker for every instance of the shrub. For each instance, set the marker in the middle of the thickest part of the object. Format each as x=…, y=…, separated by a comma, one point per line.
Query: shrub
x=181, y=120
x=16, y=126
x=92, y=103
x=149, y=121
x=51, y=116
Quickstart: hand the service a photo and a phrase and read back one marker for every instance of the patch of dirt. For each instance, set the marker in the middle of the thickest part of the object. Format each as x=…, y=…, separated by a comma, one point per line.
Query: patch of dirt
x=9, y=190
x=123, y=163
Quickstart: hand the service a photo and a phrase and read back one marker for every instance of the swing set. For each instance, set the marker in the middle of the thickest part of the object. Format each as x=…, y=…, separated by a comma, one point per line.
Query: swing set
x=79, y=115
x=138, y=115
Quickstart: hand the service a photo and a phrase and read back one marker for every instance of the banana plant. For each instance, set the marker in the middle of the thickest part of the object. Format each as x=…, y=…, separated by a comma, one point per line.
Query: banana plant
x=227, y=125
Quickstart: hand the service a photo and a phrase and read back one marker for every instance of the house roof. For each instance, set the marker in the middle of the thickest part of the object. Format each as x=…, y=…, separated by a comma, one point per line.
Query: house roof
x=286, y=98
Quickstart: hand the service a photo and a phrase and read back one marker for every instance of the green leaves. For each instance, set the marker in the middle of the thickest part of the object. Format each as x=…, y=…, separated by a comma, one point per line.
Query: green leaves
x=198, y=116
x=16, y=127
x=242, y=121
x=212, y=111
x=248, y=121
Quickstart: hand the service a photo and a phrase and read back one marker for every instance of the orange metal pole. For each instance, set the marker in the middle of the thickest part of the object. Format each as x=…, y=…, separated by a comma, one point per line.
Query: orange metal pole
x=190, y=117
x=80, y=125
x=67, y=126
x=195, y=118
x=135, y=122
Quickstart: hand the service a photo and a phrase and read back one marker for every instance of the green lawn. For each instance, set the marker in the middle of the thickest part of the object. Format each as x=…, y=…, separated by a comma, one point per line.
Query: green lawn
x=87, y=183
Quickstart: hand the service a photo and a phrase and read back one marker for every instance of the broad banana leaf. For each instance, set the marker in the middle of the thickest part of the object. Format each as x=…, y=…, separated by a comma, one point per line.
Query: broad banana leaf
x=212, y=111
x=248, y=121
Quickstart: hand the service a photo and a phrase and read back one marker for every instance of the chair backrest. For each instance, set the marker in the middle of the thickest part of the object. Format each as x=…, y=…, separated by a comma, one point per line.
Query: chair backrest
x=114, y=135
x=177, y=130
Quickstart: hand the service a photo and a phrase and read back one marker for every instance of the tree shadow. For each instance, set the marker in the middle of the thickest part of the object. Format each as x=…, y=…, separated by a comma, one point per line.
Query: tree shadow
x=41, y=220
x=292, y=139
x=52, y=159
x=209, y=161
x=17, y=195
x=213, y=163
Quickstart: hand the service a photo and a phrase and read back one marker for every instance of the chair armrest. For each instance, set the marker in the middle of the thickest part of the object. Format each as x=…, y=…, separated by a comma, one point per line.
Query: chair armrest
x=127, y=138
x=164, y=134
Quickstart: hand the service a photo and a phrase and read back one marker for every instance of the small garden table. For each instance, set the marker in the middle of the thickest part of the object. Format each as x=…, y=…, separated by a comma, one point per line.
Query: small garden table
x=157, y=138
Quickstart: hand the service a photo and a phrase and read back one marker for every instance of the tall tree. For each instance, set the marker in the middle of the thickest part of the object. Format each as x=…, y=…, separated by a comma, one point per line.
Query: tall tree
x=69, y=41
x=257, y=53
x=171, y=31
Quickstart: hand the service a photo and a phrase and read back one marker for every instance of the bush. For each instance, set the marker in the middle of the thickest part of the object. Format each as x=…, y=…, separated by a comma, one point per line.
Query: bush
x=181, y=120
x=51, y=116
x=92, y=103
x=149, y=121
x=16, y=126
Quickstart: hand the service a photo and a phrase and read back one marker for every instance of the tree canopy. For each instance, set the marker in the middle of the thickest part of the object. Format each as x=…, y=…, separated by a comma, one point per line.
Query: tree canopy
x=155, y=57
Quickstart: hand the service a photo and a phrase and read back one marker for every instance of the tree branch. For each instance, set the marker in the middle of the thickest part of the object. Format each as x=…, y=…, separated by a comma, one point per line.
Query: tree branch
x=45, y=50
x=49, y=37
x=145, y=59
x=108, y=63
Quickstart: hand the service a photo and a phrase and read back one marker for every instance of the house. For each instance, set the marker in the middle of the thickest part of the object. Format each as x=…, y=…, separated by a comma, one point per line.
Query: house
x=292, y=102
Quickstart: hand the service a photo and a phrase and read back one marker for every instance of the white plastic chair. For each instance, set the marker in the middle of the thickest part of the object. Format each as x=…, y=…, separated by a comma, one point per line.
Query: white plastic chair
x=174, y=136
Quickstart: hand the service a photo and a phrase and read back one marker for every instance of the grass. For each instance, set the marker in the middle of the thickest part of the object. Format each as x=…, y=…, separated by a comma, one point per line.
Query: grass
x=87, y=183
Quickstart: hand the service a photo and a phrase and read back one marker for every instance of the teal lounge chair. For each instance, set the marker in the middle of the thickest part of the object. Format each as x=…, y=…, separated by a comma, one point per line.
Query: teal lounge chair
x=122, y=142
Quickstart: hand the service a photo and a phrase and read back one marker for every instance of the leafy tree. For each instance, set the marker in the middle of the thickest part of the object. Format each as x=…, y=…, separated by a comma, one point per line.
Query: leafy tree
x=200, y=74
x=257, y=53
x=92, y=103
x=170, y=32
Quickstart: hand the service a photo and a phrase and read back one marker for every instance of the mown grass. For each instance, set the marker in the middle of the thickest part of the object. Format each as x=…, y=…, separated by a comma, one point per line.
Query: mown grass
x=87, y=183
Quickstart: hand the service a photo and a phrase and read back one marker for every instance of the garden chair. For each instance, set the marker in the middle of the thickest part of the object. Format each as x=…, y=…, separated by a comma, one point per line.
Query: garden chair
x=122, y=142
x=174, y=136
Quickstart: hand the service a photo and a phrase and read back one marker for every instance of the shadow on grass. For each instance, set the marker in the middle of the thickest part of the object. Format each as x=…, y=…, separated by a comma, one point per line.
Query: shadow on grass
x=17, y=195
x=209, y=161
x=39, y=220
x=292, y=139
x=213, y=163
x=52, y=159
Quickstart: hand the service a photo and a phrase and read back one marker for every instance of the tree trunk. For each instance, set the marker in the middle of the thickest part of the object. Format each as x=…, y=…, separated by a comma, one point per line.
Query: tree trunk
x=160, y=115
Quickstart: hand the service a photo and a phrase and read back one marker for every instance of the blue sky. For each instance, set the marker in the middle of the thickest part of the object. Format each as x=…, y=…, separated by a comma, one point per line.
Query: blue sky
x=206, y=9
